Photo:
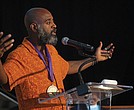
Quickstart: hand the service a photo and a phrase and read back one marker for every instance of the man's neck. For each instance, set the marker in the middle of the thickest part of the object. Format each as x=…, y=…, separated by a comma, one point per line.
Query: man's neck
x=35, y=42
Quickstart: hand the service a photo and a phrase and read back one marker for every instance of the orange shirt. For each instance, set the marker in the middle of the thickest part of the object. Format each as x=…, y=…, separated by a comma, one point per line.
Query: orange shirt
x=28, y=75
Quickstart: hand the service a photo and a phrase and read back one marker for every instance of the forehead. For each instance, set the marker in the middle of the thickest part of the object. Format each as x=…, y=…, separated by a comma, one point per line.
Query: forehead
x=45, y=15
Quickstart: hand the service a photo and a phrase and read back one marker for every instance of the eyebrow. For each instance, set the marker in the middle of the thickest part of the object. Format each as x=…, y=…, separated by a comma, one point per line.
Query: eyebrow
x=48, y=20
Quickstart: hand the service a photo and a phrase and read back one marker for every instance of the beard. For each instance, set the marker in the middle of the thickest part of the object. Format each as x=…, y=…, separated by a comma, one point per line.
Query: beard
x=46, y=38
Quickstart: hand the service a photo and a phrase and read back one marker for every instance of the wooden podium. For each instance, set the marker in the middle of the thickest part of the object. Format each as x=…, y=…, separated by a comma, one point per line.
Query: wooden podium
x=119, y=107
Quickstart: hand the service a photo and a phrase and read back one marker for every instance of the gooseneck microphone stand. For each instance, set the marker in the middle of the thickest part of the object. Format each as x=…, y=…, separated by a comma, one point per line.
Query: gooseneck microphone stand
x=82, y=89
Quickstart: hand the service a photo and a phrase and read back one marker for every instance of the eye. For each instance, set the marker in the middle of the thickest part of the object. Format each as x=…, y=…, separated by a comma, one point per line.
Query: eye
x=48, y=22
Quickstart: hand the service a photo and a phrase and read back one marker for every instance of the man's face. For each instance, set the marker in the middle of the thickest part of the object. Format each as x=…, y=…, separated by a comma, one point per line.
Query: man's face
x=47, y=37
x=47, y=30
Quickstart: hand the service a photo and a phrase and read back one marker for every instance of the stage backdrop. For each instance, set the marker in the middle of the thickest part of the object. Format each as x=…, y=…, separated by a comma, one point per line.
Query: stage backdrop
x=87, y=21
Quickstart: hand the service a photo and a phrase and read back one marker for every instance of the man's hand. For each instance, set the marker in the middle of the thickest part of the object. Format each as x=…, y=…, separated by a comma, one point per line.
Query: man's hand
x=5, y=43
x=104, y=54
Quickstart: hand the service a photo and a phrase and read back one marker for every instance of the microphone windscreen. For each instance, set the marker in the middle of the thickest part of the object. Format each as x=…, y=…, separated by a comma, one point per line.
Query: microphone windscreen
x=65, y=40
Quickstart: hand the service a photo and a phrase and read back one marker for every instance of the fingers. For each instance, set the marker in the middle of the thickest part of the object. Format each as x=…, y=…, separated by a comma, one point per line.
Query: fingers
x=106, y=54
x=1, y=34
x=109, y=46
x=108, y=51
x=5, y=43
x=4, y=38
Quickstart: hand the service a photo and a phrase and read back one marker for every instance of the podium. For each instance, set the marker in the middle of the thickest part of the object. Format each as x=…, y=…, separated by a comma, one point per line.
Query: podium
x=90, y=96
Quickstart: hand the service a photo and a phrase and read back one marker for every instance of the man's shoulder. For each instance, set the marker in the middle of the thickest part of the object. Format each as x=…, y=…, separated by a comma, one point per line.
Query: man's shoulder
x=19, y=52
x=52, y=49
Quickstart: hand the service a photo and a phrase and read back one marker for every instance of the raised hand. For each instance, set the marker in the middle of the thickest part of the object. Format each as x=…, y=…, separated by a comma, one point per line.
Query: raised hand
x=5, y=43
x=104, y=54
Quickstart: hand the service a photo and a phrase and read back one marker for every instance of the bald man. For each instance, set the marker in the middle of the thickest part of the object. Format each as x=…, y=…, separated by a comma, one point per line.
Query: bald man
x=35, y=69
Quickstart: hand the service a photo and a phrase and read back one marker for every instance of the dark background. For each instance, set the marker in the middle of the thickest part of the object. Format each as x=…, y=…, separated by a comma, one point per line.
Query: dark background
x=87, y=21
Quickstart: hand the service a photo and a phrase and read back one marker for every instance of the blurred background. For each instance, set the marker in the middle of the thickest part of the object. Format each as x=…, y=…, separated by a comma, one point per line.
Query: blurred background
x=87, y=21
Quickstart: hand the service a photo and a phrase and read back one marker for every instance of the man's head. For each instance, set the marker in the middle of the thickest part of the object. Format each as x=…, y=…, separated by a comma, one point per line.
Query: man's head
x=40, y=26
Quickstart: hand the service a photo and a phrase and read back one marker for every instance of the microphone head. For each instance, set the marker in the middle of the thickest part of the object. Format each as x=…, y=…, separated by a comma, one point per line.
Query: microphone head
x=65, y=40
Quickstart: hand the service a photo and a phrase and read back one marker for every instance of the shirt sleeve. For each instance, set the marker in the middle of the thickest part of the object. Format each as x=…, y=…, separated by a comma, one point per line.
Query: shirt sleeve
x=14, y=70
x=64, y=67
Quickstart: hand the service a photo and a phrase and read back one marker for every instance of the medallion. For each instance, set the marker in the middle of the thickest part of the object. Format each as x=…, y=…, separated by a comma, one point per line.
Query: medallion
x=52, y=90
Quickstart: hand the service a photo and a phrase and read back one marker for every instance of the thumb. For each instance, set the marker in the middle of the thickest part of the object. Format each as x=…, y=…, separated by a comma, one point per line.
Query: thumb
x=100, y=46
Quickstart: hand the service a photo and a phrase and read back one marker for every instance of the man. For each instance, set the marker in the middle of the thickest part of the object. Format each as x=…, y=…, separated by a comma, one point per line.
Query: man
x=34, y=68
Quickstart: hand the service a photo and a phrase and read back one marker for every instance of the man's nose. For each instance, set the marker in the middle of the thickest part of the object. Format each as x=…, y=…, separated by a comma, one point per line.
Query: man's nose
x=54, y=25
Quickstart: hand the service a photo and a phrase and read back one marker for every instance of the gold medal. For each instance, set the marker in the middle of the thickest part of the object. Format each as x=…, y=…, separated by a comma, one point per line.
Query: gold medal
x=52, y=90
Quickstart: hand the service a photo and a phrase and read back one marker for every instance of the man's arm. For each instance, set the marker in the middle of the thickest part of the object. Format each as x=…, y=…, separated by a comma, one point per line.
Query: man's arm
x=5, y=44
x=3, y=76
x=74, y=65
x=101, y=55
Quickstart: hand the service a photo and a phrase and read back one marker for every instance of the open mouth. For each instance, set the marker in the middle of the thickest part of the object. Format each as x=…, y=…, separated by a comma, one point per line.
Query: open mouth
x=53, y=33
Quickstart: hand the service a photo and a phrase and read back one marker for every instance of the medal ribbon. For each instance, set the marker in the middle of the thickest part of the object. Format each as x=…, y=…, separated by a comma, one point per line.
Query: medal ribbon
x=49, y=67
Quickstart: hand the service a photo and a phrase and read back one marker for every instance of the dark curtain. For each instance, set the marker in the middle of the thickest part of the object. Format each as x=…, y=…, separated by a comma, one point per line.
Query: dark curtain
x=87, y=21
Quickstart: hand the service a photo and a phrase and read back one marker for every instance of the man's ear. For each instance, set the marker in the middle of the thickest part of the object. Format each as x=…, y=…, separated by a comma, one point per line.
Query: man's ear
x=34, y=27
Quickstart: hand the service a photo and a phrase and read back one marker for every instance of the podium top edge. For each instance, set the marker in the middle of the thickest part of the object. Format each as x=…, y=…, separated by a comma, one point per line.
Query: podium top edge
x=95, y=83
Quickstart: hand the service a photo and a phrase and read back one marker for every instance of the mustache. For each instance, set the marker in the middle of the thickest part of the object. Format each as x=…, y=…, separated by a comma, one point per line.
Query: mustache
x=54, y=30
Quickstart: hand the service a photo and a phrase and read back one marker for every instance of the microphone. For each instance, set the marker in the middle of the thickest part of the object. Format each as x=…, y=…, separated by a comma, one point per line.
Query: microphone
x=76, y=44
